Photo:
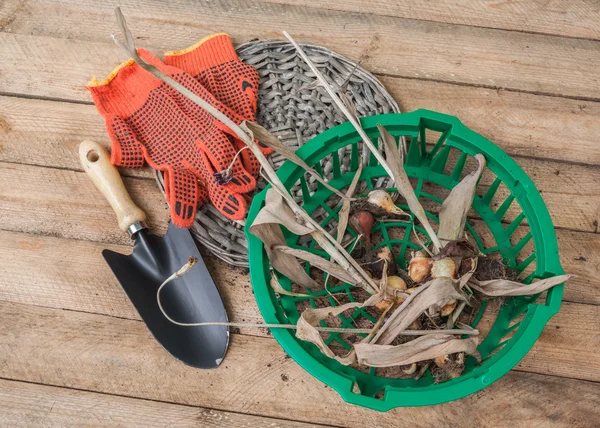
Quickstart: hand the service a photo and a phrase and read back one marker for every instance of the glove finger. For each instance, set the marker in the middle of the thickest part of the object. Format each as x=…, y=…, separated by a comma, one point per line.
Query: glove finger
x=126, y=150
x=218, y=156
x=231, y=205
x=182, y=189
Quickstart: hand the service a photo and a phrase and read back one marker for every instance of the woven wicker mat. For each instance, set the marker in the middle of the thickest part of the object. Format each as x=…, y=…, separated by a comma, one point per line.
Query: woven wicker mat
x=295, y=110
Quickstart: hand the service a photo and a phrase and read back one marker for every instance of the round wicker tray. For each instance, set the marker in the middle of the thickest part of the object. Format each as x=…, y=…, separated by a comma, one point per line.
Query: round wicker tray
x=295, y=110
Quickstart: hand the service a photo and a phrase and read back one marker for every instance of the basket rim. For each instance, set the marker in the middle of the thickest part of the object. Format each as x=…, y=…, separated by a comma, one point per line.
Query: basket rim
x=536, y=317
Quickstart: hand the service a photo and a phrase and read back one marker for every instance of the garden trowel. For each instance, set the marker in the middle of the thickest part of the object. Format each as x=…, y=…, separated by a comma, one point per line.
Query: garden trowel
x=190, y=298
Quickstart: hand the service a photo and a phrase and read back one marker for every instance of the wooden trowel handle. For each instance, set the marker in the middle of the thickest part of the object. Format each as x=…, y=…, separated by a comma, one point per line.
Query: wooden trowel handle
x=105, y=176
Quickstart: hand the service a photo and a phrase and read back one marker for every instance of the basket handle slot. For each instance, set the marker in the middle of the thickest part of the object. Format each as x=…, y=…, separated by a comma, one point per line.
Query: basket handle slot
x=513, y=226
x=502, y=209
x=459, y=166
x=440, y=160
x=491, y=191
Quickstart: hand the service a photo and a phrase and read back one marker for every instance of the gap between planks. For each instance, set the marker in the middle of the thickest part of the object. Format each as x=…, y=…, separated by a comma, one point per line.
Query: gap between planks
x=523, y=126
x=118, y=356
x=576, y=19
x=65, y=204
x=33, y=404
x=466, y=54
x=80, y=281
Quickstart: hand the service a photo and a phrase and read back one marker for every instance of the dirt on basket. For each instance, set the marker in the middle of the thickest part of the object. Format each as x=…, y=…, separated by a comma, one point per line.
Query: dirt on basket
x=492, y=267
x=452, y=368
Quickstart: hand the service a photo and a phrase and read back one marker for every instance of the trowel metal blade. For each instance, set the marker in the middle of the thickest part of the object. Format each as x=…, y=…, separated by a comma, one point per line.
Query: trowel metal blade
x=190, y=298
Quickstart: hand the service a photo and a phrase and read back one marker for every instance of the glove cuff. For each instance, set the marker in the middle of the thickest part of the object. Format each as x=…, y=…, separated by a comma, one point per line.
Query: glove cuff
x=210, y=51
x=126, y=88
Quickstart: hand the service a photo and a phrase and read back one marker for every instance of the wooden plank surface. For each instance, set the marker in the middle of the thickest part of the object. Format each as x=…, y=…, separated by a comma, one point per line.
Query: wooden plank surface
x=38, y=132
x=444, y=56
x=521, y=124
x=118, y=356
x=79, y=280
x=65, y=204
x=26, y=405
x=63, y=50
x=524, y=125
x=48, y=133
x=577, y=18
x=34, y=199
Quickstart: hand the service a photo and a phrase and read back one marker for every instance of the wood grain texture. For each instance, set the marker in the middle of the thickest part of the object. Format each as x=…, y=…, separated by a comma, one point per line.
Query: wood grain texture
x=73, y=275
x=570, y=341
x=80, y=280
x=118, y=356
x=96, y=162
x=521, y=124
x=47, y=133
x=51, y=43
x=26, y=405
x=567, y=346
x=575, y=18
x=38, y=200
x=66, y=322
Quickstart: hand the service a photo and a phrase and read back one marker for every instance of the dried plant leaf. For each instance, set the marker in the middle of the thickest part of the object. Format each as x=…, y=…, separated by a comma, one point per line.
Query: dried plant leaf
x=278, y=288
x=453, y=215
x=271, y=235
x=394, y=159
x=269, y=140
x=319, y=262
x=437, y=292
x=276, y=210
x=466, y=277
x=305, y=327
x=421, y=349
x=281, y=212
x=348, y=103
x=266, y=228
x=344, y=213
x=504, y=287
x=335, y=98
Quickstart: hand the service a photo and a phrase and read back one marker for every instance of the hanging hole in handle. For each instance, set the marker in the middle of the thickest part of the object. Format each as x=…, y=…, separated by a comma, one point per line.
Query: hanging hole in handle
x=92, y=156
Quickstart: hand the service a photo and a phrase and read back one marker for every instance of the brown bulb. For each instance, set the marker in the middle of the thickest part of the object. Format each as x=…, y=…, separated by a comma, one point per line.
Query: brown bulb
x=443, y=268
x=448, y=308
x=362, y=222
x=419, y=267
x=396, y=283
x=382, y=199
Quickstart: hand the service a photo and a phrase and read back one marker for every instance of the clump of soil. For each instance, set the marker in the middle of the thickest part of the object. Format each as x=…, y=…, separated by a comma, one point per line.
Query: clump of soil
x=492, y=267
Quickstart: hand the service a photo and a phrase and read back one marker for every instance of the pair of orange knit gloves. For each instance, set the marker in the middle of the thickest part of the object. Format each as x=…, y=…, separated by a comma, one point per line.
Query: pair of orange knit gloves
x=149, y=121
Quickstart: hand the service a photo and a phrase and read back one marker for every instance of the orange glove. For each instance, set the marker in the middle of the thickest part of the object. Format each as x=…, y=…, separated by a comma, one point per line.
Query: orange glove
x=215, y=64
x=149, y=121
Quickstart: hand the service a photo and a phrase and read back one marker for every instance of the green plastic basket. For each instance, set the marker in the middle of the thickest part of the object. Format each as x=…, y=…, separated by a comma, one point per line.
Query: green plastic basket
x=432, y=163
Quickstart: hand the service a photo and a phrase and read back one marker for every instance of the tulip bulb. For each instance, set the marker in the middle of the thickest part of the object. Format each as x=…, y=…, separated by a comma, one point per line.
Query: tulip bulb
x=419, y=267
x=411, y=369
x=396, y=282
x=448, y=308
x=382, y=199
x=383, y=305
x=375, y=261
x=443, y=268
x=362, y=222
x=441, y=360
